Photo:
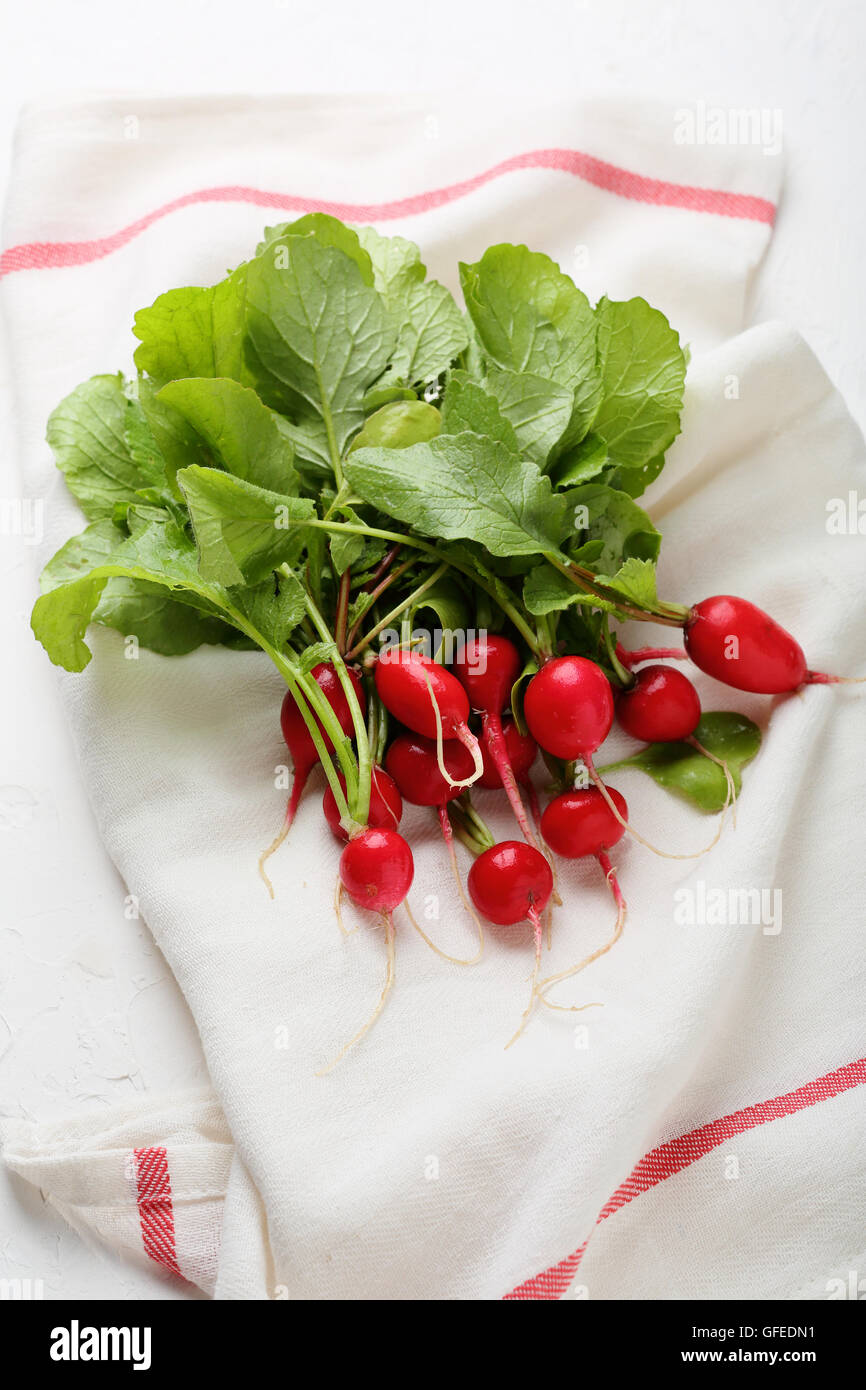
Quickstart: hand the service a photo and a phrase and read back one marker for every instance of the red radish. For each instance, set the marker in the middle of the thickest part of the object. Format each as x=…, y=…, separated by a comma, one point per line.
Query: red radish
x=300, y=744
x=386, y=804
x=660, y=707
x=741, y=645
x=578, y=824
x=487, y=669
x=520, y=749
x=412, y=762
x=663, y=707
x=428, y=700
x=569, y=707
x=512, y=882
x=376, y=870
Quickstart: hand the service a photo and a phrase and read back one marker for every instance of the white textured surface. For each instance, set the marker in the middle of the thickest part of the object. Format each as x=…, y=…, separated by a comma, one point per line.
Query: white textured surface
x=84, y=1008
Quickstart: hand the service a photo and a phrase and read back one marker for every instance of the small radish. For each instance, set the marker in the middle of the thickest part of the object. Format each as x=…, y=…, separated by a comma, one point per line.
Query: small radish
x=386, y=805
x=376, y=870
x=412, y=763
x=487, y=668
x=569, y=707
x=660, y=707
x=428, y=700
x=578, y=824
x=300, y=743
x=512, y=882
x=663, y=707
x=737, y=643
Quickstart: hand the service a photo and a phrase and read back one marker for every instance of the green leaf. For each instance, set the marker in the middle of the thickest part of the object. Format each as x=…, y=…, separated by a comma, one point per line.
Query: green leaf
x=634, y=481
x=242, y=531
x=161, y=554
x=468, y=406
x=397, y=425
x=87, y=432
x=178, y=443
x=355, y=550
x=145, y=610
x=635, y=581
x=530, y=317
x=614, y=518
x=683, y=770
x=238, y=428
x=80, y=554
x=274, y=608
x=586, y=460
x=538, y=409
x=447, y=601
x=328, y=231
x=643, y=372
x=319, y=338
x=194, y=332
x=430, y=331
x=463, y=487
x=397, y=264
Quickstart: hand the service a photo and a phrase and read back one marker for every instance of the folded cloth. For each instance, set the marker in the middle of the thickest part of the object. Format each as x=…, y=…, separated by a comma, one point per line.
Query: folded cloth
x=690, y=1118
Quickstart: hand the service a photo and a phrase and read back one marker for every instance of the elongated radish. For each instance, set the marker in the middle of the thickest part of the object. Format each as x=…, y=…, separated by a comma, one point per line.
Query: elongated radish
x=512, y=882
x=569, y=707
x=428, y=700
x=300, y=743
x=376, y=870
x=578, y=824
x=386, y=805
x=487, y=668
x=412, y=762
x=741, y=645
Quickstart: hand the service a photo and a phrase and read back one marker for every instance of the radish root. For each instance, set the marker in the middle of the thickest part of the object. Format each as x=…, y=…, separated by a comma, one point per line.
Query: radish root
x=465, y=736
x=299, y=781
x=613, y=884
x=533, y=984
x=386, y=989
x=731, y=796
x=662, y=853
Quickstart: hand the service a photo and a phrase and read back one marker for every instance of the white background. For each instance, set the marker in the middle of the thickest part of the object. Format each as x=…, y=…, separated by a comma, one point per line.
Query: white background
x=88, y=1013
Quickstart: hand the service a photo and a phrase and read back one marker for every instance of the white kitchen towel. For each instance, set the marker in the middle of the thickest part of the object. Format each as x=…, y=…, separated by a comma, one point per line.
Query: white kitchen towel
x=432, y=1164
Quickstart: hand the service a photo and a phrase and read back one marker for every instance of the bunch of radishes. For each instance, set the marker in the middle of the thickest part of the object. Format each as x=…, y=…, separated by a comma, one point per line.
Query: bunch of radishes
x=568, y=709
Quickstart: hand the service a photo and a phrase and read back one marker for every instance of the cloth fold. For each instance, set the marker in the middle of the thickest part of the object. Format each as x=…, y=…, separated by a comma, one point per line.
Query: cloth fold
x=432, y=1164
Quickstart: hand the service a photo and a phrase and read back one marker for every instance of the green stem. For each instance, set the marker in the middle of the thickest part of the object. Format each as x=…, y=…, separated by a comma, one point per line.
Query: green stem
x=623, y=675
x=305, y=692
x=477, y=573
x=395, y=612
x=670, y=614
x=359, y=796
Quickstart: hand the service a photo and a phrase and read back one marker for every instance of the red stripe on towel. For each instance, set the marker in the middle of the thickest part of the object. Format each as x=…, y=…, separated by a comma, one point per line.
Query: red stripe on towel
x=671, y=1158
x=625, y=183
x=154, y=1207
